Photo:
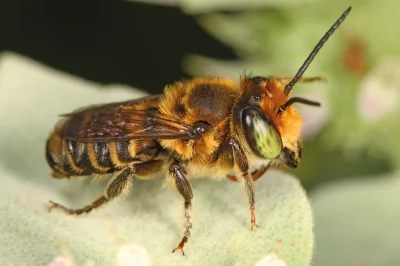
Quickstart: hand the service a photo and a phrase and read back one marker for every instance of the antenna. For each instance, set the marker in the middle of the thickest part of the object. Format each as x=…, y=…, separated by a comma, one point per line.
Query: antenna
x=315, y=51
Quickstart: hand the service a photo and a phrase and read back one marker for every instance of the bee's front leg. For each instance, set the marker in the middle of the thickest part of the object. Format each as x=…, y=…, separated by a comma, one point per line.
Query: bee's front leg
x=244, y=177
x=185, y=189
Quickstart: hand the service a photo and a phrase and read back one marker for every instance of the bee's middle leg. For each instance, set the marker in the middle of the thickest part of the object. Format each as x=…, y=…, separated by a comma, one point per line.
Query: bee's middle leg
x=245, y=178
x=185, y=189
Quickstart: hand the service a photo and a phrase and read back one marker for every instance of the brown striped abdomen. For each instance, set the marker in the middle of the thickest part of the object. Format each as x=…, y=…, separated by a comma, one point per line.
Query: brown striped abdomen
x=71, y=158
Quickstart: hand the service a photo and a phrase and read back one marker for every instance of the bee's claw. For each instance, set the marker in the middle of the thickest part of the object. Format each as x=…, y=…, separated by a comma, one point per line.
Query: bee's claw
x=253, y=219
x=52, y=205
x=253, y=224
x=181, y=249
x=180, y=246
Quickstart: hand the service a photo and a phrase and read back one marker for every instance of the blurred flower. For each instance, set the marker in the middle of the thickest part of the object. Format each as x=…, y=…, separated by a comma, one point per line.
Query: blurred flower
x=379, y=92
x=61, y=261
x=132, y=254
x=65, y=259
x=273, y=258
x=354, y=56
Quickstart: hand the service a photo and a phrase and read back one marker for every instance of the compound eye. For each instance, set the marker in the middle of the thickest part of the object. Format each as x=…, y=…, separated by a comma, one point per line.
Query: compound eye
x=261, y=134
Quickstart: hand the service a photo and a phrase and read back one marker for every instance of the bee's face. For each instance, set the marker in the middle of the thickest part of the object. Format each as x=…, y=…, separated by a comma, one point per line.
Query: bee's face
x=268, y=132
x=268, y=122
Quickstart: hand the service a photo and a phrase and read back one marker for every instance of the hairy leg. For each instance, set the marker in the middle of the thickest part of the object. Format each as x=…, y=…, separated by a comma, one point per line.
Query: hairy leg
x=120, y=183
x=185, y=189
x=244, y=177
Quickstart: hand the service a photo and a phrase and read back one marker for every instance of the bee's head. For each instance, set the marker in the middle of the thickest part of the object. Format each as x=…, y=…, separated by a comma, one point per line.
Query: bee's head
x=268, y=120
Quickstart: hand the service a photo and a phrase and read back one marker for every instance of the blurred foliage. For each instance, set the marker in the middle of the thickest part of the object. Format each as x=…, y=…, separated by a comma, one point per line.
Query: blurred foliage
x=205, y=6
x=356, y=223
x=353, y=134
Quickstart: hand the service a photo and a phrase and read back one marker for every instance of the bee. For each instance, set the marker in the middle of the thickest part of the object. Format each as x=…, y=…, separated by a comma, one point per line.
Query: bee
x=206, y=126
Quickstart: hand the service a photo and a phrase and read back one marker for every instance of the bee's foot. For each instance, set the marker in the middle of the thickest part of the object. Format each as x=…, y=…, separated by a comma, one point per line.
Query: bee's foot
x=55, y=205
x=180, y=246
x=253, y=224
x=52, y=205
x=253, y=219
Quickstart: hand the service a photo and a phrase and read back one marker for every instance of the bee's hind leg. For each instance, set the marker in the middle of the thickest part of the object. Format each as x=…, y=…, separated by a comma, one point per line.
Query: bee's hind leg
x=185, y=189
x=119, y=184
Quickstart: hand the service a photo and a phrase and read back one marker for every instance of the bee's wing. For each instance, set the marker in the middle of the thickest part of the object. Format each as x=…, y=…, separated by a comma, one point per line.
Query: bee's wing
x=136, y=119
